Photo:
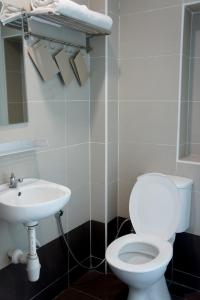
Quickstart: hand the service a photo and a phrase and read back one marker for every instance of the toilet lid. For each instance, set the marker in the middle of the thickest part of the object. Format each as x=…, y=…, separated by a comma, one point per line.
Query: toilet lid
x=154, y=206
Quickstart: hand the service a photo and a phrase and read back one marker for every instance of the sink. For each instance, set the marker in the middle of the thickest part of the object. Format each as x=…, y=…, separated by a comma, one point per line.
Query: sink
x=32, y=200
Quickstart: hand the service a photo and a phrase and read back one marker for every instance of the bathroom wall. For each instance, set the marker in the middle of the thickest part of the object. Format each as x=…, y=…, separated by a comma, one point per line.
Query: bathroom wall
x=148, y=90
x=148, y=97
x=104, y=110
x=149, y=61
x=104, y=126
x=61, y=115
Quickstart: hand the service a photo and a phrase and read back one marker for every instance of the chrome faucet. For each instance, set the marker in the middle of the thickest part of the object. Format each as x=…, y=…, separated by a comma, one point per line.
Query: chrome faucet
x=14, y=181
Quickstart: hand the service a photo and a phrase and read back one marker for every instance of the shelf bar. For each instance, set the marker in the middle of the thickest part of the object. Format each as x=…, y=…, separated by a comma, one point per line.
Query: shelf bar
x=27, y=34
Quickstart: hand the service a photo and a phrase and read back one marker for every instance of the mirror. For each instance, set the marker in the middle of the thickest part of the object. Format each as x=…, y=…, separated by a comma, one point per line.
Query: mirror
x=13, y=102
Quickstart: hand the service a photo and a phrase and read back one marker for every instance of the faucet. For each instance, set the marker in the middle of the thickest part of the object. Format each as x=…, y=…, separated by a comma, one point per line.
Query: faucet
x=14, y=181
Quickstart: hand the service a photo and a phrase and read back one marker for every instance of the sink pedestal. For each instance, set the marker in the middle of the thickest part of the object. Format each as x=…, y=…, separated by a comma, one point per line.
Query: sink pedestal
x=31, y=258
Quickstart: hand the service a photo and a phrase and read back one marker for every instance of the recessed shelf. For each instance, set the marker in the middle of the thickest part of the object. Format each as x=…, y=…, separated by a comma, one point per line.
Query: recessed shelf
x=189, y=108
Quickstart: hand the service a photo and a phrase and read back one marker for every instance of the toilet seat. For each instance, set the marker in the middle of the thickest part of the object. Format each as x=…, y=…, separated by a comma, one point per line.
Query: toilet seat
x=154, y=206
x=164, y=253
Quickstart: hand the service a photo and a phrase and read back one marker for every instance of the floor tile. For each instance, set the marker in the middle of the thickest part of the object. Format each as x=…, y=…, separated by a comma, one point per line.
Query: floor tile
x=98, y=286
x=193, y=296
x=72, y=294
x=105, y=287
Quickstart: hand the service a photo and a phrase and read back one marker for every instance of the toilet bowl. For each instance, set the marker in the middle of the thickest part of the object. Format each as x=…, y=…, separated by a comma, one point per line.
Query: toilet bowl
x=140, y=259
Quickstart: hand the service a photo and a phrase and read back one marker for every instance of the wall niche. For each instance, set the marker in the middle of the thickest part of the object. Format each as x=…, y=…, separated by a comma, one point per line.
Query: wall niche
x=189, y=109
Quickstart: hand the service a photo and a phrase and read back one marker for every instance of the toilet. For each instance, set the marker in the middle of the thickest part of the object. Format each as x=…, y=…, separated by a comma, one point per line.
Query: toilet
x=159, y=207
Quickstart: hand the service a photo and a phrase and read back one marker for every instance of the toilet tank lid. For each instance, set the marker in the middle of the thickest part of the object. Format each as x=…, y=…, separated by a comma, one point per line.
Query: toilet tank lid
x=181, y=182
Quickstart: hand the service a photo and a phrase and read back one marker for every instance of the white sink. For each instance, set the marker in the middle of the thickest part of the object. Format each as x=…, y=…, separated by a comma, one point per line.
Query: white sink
x=32, y=200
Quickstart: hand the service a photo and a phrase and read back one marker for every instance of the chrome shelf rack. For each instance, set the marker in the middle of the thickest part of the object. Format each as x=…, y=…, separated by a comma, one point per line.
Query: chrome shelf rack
x=22, y=21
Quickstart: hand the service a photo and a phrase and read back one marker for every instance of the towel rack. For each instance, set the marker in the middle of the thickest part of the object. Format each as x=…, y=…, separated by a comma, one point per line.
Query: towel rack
x=41, y=37
x=22, y=21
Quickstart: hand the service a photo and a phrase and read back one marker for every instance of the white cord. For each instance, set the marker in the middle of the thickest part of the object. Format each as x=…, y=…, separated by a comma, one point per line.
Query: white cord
x=58, y=217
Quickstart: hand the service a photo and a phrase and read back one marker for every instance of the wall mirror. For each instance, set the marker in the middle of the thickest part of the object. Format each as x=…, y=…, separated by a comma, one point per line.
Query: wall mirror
x=13, y=100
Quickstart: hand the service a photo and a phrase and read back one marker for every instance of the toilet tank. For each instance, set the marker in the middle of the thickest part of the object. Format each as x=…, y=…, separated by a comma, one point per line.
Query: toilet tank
x=184, y=186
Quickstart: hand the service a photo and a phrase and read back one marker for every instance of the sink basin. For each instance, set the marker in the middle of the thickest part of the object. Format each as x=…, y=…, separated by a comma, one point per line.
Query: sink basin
x=32, y=200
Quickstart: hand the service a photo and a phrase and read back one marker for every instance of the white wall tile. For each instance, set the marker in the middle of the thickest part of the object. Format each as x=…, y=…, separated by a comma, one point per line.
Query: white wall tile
x=150, y=34
x=113, y=6
x=78, y=121
x=113, y=39
x=98, y=47
x=79, y=207
x=47, y=121
x=125, y=188
x=149, y=79
x=194, y=123
x=97, y=80
x=51, y=165
x=190, y=171
x=112, y=162
x=24, y=165
x=187, y=33
x=97, y=5
x=137, y=159
x=112, y=201
x=194, y=93
x=98, y=202
x=77, y=166
x=131, y=6
x=148, y=122
x=97, y=121
x=47, y=230
x=184, y=123
x=195, y=43
x=97, y=163
x=112, y=121
x=113, y=75
x=185, y=79
x=194, y=216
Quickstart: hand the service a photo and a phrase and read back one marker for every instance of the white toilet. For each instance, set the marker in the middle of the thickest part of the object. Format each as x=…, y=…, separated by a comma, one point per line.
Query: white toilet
x=159, y=207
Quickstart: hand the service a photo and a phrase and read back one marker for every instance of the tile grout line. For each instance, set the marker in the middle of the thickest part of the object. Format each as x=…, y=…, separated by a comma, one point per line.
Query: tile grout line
x=186, y=286
x=84, y=293
x=139, y=12
x=186, y=273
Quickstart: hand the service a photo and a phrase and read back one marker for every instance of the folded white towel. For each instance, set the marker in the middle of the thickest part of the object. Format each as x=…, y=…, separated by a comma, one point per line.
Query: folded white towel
x=43, y=3
x=10, y=8
x=8, y=11
x=23, y=4
x=73, y=10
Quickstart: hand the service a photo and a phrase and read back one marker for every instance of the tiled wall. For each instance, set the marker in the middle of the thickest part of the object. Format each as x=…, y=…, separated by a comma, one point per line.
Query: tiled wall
x=104, y=120
x=112, y=111
x=148, y=94
x=62, y=116
x=150, y=33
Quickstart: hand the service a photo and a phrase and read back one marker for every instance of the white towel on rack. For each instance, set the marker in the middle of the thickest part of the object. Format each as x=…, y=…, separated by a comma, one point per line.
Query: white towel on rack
x=73, y=10
x=43, y=3
x=11, y=8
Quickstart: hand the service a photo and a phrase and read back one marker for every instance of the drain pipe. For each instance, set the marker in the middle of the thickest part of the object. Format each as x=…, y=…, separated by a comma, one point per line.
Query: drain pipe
x=31, y=259
x=33, y=264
